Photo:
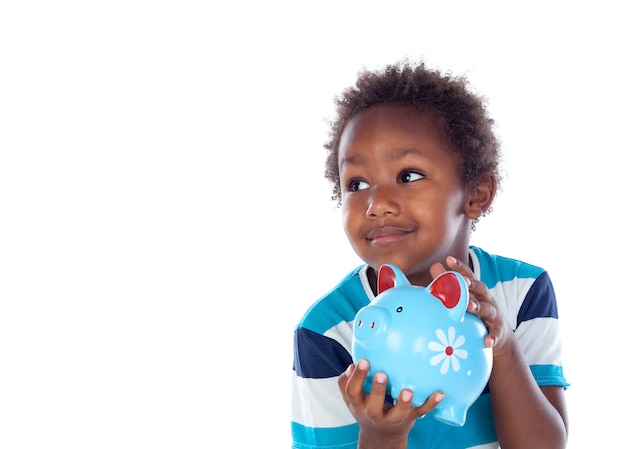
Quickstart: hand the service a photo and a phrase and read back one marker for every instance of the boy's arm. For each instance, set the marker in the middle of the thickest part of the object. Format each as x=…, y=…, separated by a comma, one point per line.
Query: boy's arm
x=525, y=415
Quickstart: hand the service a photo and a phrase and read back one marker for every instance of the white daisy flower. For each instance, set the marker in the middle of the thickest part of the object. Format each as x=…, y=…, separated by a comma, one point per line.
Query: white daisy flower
x=448, y=350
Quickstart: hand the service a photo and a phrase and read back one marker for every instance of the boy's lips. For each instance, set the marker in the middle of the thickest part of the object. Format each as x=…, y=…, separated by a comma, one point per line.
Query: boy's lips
x=386, y=235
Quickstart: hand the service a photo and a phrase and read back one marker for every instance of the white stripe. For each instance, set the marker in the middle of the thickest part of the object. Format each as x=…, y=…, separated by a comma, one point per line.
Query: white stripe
x=486, y=446
x=342, y=333
x=318, y=403
x=509, y=296
x=366, y=283
x=539, y=340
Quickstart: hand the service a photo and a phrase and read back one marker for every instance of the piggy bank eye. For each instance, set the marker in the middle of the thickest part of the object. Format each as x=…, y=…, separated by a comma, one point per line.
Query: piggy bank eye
x=399, y=309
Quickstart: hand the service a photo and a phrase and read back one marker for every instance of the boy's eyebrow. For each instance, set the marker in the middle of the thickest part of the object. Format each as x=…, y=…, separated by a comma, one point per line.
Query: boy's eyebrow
x=402, y=152
x=352, y=160
x=395, y=155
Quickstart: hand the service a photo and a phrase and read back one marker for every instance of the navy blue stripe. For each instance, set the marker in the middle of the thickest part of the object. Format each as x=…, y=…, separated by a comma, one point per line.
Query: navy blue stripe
x=317, y=356
x=540, y=301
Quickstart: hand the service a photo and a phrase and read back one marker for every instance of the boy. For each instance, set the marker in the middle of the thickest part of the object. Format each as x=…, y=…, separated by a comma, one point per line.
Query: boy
x=414, y=164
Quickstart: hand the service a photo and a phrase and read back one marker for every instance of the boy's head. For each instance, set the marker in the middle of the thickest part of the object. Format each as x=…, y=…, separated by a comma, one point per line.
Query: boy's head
x=464, y=116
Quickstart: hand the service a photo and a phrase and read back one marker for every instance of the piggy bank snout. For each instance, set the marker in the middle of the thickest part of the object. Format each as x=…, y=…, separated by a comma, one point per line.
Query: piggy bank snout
x=371, y=324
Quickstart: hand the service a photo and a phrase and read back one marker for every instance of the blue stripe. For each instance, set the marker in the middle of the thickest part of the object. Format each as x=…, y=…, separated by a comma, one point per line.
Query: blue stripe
x=341, y=304
x=332, y=438
x=494, y=269
x=478, y=429
x=549, y=376
x=317, y=356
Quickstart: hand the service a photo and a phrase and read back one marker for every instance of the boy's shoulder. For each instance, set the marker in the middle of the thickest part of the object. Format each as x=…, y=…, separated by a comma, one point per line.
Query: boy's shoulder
x=492, y=268
x=339, y=304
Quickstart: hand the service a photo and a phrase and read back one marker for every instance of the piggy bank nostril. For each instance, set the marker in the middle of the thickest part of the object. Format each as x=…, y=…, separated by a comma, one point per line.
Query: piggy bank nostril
x=370, y=326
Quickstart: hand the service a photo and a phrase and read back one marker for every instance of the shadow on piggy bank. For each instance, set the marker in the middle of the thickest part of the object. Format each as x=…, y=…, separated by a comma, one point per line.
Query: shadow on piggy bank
x=424, y=340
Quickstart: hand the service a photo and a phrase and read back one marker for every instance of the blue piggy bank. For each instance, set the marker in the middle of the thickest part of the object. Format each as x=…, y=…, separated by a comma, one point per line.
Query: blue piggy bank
x=424, y=340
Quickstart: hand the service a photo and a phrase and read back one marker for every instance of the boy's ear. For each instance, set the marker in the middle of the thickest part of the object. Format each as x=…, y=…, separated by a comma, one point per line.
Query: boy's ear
x=480, y=196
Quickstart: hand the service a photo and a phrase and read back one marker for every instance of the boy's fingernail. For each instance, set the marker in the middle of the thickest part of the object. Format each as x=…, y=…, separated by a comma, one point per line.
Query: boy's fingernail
x=380, y=378
x=438, y=397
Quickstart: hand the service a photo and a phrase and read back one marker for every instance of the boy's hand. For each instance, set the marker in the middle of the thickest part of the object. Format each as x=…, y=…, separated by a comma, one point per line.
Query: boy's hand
x=381, y=424
x=481, y=304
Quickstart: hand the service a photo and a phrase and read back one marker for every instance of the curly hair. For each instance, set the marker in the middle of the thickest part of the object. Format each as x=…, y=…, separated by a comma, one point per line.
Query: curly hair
x=467, y=122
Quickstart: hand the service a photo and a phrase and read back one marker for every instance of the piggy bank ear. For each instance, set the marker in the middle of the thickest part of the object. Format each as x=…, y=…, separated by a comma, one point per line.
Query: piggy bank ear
x=451, y=289
x=390, y=276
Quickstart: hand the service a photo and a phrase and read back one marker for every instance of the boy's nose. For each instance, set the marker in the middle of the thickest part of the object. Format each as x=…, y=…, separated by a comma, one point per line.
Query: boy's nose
x=382, y=201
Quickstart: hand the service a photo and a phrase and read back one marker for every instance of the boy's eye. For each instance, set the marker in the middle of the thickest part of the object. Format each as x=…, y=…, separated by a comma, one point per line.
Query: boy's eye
x=356, y=184
x=410, y=176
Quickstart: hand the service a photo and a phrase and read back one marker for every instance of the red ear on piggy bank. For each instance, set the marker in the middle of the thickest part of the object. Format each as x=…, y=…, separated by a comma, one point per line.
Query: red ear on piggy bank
x=390, y=276
x=449, y=287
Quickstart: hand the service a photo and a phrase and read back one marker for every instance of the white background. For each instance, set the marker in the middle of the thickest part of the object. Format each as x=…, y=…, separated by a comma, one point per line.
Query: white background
x=164, y=220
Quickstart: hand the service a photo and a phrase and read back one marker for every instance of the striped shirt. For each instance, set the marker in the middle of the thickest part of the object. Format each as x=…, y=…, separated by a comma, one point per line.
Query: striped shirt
x=322, y=351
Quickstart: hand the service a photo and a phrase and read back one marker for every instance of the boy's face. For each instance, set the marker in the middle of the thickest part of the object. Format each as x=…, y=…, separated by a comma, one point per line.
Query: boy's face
x=403, y=201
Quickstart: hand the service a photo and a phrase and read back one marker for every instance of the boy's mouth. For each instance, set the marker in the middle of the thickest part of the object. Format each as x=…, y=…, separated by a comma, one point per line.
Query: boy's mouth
x=386, y=235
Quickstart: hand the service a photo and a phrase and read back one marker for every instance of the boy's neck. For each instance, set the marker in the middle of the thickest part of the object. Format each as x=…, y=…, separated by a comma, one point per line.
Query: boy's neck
x=423, y=281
